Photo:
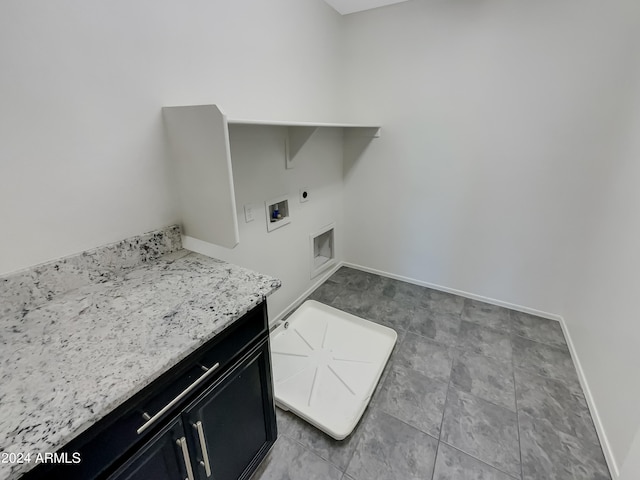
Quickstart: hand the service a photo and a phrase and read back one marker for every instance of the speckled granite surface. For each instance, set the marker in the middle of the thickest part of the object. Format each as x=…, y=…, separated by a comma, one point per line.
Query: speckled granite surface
x=74, y=358
x=26, y=289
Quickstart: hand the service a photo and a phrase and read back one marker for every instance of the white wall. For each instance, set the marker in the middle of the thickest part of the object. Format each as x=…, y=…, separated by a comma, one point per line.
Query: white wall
x=82, y=158
x=501, y=170
x=258, y=162
x=631, y=467
x=601, y=309
x=487, y=108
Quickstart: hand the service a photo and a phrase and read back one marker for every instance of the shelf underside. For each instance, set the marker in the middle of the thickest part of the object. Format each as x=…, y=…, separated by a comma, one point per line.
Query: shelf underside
x=243, y=121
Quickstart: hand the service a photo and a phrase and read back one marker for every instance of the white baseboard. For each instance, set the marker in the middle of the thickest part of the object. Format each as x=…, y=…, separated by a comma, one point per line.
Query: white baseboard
x=472, y=296
x=593, y=409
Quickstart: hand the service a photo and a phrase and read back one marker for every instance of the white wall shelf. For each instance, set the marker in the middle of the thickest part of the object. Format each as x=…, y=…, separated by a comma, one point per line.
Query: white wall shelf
x=277, y=123
x=298, y=133
x=199, y=141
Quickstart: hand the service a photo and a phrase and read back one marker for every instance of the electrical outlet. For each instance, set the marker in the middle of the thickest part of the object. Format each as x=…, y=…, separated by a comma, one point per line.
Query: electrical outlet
x=248, y=213
x=304, y=195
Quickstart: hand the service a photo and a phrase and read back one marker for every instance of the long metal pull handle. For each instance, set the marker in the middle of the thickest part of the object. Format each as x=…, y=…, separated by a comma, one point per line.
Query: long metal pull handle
x=182, y=443
x=184, y=393
x=203, y=448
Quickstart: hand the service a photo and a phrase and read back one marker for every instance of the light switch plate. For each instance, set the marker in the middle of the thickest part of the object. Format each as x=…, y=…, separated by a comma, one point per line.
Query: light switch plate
x=304, y=195
x=248, y=213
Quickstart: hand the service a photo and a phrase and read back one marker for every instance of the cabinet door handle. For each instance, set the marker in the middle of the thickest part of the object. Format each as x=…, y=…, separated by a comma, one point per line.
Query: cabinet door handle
x=203, y=448
x=182, y=443
x=168, y=406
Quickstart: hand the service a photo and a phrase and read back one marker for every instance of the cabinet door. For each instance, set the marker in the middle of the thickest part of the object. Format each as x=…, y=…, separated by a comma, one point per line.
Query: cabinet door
x=232, y=426
x=164, y=457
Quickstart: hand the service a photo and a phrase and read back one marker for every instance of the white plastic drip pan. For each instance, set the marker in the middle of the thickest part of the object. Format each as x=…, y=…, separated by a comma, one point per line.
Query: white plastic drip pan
x=326, y=365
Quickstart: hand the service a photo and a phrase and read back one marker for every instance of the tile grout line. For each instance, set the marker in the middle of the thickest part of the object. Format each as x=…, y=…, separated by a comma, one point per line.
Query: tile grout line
x=484, y=399
x=461, y=351
x=449, y=387
x=499, y=331
x=344, y=473
x=448, y=347
x=435, y=459
x=472, y=455
x=561, y=380
x=308, y=449
x=479, y=460
x=446, y=397
x=355, y=448
x=369, y=409
x=430, y=339
x=515, y=393
x=405, y=422
x=553, y=379
x=380, y=410
x=444, y=409
x=377, y=407
x=504, y=361
x=564, y=349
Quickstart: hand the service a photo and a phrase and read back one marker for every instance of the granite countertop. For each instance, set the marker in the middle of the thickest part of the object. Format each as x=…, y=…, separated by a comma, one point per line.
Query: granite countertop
x=67, y=363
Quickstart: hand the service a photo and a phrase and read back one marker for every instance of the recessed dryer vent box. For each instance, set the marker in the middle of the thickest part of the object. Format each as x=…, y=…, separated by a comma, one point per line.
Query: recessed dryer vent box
x=277, y=210
x=323, y=252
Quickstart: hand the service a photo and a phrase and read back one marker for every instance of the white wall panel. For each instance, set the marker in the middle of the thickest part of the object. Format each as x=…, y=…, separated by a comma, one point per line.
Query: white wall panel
x=82, y=154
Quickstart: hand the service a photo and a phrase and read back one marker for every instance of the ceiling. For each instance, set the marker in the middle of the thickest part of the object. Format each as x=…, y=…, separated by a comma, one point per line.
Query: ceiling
x=351, y=6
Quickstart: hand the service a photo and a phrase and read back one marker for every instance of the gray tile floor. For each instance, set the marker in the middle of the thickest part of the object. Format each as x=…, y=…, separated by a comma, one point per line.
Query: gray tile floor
x=472, y=392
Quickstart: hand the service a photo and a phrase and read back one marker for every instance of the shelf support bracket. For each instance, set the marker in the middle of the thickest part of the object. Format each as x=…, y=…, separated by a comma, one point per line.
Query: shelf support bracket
x=295, y=140
x=362, y=132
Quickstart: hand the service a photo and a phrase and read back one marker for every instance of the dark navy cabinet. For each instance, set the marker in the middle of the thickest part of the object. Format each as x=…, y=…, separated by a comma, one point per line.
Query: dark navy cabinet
x=159, y=459
x=231, y=423
x=222, y=435
x=212, y=416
